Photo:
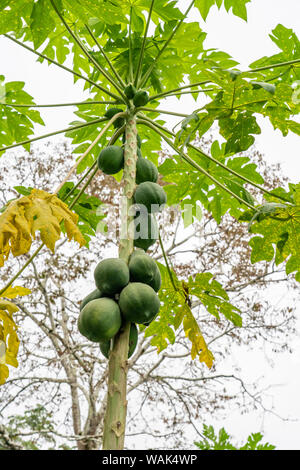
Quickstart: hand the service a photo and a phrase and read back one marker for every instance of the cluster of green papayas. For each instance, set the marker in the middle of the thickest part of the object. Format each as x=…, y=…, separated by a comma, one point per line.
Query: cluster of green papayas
x=126, y=292
x=149, y=195
x=138, y=97
x=123, y=293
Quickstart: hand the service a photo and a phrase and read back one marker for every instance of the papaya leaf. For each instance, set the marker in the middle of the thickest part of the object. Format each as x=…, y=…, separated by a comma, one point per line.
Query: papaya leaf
x=238, y=7
x=40, y=211
x=193, y=333
x=12, y=19
x=204, y=6
x=265, y=210
x=288, y=43
x=109, y=12
x=277, y=229
x=87, y=209
x=13, y=292
x=23, y=190
x=17, y=124
x=236, y=105
x=266, y=86
x=176, y=310
x=9, y=341
x=239, y=132
x=188, y=186
x=192, y=126
x=253, y=443
x=213, y=297
x=42, y=23
x=222, y=441
x=286, y=40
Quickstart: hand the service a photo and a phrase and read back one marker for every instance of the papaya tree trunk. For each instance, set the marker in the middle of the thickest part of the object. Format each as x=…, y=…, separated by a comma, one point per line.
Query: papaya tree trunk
x=116, y=408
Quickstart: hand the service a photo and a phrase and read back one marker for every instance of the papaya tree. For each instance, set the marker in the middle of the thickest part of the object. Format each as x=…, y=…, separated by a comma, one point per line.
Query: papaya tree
x=56, y=363
x=131, y=56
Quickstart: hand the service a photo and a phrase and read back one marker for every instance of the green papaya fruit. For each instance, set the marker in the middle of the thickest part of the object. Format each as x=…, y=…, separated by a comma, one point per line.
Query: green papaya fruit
x=133, y=339
x=111, y=159
x=130, y=91
x=145, y=230
x=141, y=98
x=143, y=268
x=145, y=171
x=111, y=112
x=100, y=319
x=111, y=275
x=139, y=303
x=151, y=195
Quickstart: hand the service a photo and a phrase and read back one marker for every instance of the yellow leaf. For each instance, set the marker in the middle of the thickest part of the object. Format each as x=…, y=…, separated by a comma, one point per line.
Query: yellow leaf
x=7, y=305
x=12, y=349
x=2, y=350
x=12, y=292
x=4, y=373
x=193, y=332
x=40, y=211
x=9, y=341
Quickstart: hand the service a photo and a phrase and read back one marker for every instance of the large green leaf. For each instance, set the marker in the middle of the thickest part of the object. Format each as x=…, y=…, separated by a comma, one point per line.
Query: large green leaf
x=187, y=185
x=289, y=45
x=176, y=310
x=238, y=7
x=17, y=123
x=42, y=23
x=13, y=13
x=278, y=234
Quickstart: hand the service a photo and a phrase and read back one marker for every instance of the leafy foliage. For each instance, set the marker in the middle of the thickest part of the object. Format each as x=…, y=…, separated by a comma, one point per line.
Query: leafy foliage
x=235, y=108
x=9, y=341
x=40, y=211
x=88, y=209
x=222, y=441
x=17, y=124
x=288, y=43
x=278, y=229
x=174, y=311
x=238, y=7
x=176, y=298
x=36, y=422
x=189, y=186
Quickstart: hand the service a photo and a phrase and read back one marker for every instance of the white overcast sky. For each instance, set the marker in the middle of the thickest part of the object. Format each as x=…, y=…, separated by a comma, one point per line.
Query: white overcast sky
x=246, y=42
